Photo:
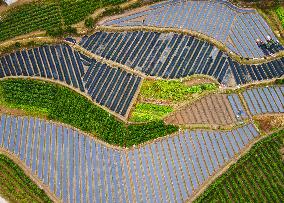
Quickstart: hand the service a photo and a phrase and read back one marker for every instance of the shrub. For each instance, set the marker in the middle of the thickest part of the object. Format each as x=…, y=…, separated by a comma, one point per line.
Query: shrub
x=279, y=81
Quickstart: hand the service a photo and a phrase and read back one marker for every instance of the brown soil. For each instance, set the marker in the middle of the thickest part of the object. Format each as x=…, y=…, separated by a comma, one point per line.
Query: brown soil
x=16, y=112
x=198, y=81
x=212, y=109
x=269, y=123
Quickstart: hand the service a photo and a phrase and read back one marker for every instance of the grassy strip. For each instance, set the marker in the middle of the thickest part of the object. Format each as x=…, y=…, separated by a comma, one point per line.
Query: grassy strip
x=145, y=112
x=16, y=186
x=64, y=105
x=256, y=177
x=171, y=90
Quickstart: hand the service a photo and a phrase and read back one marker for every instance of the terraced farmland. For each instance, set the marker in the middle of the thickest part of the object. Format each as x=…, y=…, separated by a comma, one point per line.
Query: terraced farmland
x=237, y=28
x=170, y=55
x=244, y=74
x=115, y=90
x=161, y=46
x=254, y=178
x=265, y=100
x=79, y=168
x=16, y=186
x=220, y=109
x=216, y=109
x=111, y=87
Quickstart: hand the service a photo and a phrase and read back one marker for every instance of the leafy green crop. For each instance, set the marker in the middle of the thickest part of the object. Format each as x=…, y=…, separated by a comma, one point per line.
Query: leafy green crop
x=257, y=177
x=28, y=18
x=50, y=15
x=16, y=186
x=145, y=112
x=172, y=90
x=64, y=105
x=280, y=13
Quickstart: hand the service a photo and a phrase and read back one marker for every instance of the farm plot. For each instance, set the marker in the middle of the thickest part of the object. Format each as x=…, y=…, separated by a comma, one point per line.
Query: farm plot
x=111, y=87
x=216, y=109
x=239, y=29
x=249, y=73
x=170, y=55
x=57, y=62
x=265, y=99
x=256, y=177
x=78, y=168
x=107, y=86
x=16, y=186
x=159, y=54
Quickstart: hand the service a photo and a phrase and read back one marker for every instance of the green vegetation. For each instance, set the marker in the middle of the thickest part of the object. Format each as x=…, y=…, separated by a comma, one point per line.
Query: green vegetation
x=145, y=112
x=16, y=186
x=51, y=15
x=90, y=22
x=64, y=105
x=257, y=177
x=172, y=90
x=280, y=13
x=279, y=81
x=30, y=17
x=75, y=11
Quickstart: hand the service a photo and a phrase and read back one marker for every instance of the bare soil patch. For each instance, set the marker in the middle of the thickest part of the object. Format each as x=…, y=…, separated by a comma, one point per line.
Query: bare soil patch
x=198, y=81
x=3, y=8
x=269, y=123
x=17, y=112
x=212, y=109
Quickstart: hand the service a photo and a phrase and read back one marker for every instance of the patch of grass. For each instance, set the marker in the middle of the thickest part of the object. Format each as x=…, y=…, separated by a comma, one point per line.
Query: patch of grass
x=256, y=177
x=145, y=112
x=67, y=106
x=172, y=90
x=16, y=186
x=280, y=13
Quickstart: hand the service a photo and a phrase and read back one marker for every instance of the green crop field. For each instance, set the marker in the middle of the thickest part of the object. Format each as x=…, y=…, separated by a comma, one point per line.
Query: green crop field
x=47, y=15
x=145, y=112
x=172, y=90
x=256, y=177
x=16, y=186
x=62, y=104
